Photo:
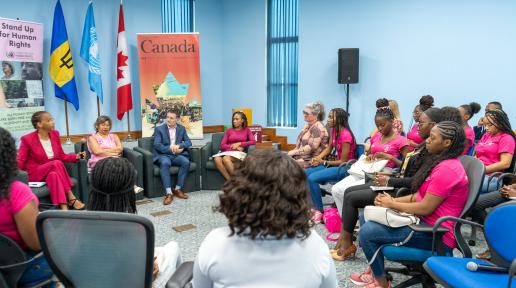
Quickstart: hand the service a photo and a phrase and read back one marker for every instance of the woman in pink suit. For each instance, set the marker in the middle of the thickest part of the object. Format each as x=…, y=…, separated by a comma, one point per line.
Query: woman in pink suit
x=41, y=155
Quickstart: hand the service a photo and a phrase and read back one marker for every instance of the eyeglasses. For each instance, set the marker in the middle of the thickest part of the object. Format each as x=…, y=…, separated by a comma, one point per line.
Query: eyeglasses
x=306, y=113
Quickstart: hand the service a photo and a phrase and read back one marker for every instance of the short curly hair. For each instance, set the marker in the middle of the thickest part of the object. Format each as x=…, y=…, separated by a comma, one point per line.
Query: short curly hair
x=267, y=196
x=8, y=164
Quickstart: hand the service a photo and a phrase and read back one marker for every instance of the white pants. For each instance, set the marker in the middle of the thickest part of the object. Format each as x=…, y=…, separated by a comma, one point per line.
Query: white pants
x=168, y=258
x=337, y=191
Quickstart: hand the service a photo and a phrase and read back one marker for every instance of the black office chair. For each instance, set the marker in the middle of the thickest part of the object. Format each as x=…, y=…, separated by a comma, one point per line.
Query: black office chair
x=13, y=263
x=412, y=258
x=98, y=249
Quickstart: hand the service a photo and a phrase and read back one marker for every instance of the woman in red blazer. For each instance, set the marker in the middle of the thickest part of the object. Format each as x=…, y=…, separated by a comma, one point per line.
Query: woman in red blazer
x=41, y=155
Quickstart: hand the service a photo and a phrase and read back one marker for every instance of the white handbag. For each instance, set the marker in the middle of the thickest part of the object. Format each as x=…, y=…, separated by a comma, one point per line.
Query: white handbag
x=363, y=166
x=389, y=217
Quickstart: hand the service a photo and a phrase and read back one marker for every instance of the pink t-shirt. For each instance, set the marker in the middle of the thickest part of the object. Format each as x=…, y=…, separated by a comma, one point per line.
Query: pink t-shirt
x=470, y=139
x=104, y=143
x=232, y=136
x=19, y=196
x=489, y=147
x=414, y=136
x=392, y=147
x=449, y=181
x=344, y=137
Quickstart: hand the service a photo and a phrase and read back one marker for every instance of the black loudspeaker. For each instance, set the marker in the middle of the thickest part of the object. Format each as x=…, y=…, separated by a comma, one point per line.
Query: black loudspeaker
x=348, y=65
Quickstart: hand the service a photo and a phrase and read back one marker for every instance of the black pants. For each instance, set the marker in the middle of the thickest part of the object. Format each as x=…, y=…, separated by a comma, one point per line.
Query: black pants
x=487, y=200
x=357, y=197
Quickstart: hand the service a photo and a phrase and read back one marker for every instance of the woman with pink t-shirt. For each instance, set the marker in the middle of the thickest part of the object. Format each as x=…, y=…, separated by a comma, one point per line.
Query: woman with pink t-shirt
x=442, y=190
x=413, y=137
x=385, y=144
x=466, y=112
x=18, y=213
x=496, y=147
x=102, y=143
x=237, y=138
x=343, y=145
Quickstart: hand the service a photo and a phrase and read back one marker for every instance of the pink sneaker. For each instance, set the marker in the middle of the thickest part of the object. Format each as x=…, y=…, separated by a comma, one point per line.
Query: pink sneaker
x=317, y=216
x=375, y=284
x=362, y=279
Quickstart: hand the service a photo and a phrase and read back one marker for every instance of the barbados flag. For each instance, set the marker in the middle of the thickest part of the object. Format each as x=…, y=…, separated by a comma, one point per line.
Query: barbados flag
x=61, y=64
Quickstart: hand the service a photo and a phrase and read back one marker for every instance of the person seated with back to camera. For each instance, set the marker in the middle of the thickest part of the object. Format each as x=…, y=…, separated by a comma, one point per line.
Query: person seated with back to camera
x=103, y=144
x=171, y=143
x=268, y=241
x=385, y=145
x=359, y=196
x=342, y=144
x=442, y=190
x=112, y=190
x=313, y=139
x=18, y=213
x=42, y=156
x=236, y=139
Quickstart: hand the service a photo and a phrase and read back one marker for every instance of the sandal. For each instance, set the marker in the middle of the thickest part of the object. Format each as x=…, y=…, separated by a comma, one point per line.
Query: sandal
x=347, y=254
x=71, y=204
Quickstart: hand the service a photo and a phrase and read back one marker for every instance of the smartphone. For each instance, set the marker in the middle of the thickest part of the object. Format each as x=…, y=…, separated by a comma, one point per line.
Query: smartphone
x=381, y=188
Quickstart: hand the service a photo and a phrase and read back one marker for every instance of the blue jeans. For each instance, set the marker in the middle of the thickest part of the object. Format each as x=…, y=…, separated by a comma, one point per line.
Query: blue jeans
x=489, y=186
x=37, y=271
x=372, y=235
x=320, y=175
x=166, y=161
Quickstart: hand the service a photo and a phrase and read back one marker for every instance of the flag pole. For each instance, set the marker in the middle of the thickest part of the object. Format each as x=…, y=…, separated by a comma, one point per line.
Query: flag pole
x=129, y=138
x=98, y=106
x=68, y=141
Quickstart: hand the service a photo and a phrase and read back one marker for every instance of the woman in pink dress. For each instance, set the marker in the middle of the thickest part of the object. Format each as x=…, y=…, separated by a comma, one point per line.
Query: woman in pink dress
x=466, y=112
x=237, y=138
x=41, y=155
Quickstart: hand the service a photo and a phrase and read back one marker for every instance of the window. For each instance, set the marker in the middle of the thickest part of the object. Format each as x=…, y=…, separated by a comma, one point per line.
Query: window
x=282, y=62
x=177, y=16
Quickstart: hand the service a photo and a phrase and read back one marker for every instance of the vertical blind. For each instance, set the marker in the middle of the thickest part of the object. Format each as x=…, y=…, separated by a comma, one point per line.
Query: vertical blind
x=282, y=62
x=177, y=16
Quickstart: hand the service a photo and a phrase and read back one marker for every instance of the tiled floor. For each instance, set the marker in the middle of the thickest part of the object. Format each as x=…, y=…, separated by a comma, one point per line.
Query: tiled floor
x=198, y=210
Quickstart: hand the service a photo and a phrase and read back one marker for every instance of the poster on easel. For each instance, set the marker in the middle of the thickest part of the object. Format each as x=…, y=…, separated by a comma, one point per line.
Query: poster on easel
x=21, y=74
x=170, y=80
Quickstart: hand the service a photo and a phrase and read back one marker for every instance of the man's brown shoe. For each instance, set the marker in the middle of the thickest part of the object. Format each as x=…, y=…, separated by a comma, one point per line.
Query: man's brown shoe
x=168, y=199
x=180, y=194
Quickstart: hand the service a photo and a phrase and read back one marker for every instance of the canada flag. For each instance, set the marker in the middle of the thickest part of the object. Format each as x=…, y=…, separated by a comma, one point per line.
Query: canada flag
x=123, y=76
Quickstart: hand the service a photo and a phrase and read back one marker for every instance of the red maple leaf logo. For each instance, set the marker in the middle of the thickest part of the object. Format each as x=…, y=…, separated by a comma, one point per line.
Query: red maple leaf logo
x=121, y=61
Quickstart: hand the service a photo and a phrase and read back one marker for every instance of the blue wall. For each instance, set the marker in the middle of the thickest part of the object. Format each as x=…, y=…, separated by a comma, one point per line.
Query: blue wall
x=140, y=17
x=457, y=51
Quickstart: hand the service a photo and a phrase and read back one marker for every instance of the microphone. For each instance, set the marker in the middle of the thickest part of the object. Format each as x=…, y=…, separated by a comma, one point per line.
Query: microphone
x=472, y=266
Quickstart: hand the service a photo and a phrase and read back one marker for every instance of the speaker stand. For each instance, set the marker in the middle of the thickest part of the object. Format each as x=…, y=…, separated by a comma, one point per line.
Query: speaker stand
x=347, y=98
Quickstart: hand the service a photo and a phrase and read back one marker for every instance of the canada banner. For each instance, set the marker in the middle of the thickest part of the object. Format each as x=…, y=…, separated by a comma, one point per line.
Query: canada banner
x=170, y=80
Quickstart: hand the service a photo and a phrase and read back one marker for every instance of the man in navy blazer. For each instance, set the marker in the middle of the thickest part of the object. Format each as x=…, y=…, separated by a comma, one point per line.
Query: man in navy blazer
x=170, y=149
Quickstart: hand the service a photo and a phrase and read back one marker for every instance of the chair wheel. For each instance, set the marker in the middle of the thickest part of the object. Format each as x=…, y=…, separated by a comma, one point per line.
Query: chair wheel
x=471, y=242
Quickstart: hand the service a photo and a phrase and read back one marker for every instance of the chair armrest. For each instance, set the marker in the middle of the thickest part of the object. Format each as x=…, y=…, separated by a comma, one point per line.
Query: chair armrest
x=137, y=160
x=147, y=166
x=181, y=276
x=206, y=152
x=512, y=272
x=345, y=165
x=403, y=191
x=195, y=155
x=73, y=168
x=22, y=176
x=462, y=245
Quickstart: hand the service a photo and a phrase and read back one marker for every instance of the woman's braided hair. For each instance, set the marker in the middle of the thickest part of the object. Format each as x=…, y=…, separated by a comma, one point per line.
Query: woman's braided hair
x=500, y=120
x=448, y=130
x=112, y=186
x=8, y=164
